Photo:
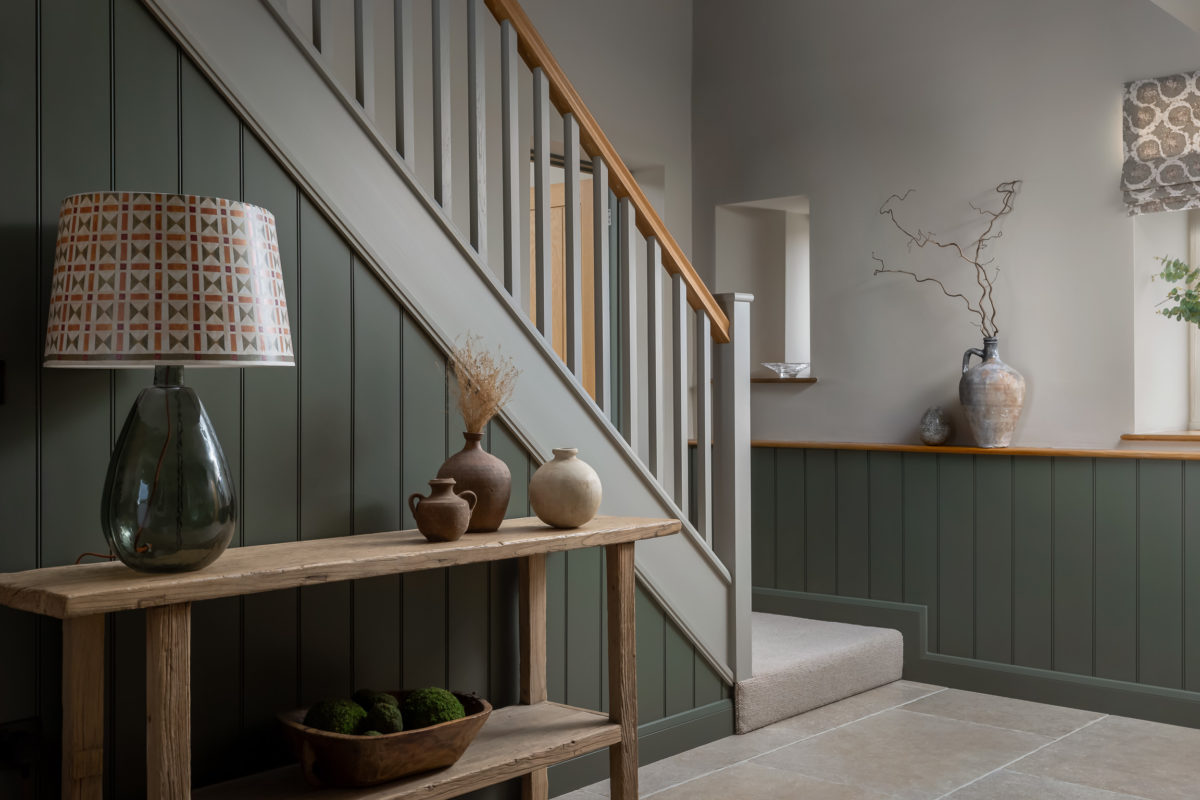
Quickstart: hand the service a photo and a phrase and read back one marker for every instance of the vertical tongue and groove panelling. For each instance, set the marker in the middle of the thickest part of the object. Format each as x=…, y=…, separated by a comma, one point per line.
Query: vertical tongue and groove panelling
x=327, y=448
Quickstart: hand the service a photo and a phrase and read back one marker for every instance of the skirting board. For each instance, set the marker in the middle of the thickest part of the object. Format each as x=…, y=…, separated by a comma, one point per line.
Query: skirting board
x=656, y=740
x=1174, y=706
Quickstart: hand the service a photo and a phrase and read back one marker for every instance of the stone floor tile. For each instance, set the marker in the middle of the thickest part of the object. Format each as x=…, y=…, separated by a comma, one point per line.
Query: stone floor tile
x=1147, y=759
x=854, y=708
x=733, y=749
x=1004, y=712
x=906, y=755
x=1008, y=785
x=580, y=794
x=756, y=782
x=653, y=777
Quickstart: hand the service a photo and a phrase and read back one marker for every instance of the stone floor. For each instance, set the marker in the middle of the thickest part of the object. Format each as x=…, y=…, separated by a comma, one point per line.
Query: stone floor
x=910, y=741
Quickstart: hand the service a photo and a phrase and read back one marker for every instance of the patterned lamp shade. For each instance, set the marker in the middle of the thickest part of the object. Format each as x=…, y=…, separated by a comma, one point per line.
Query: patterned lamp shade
x=1162, y=144
x=143, y=279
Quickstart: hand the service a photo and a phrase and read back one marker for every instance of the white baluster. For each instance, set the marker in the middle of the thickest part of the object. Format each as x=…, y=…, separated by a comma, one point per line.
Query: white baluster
x=629, y=326
x=442, y=139
x=405, y=122
x=655, y=390
x=514, y=160
x=322, y=24
x=364, y=56
x=679, y=390
x=573, y=246
x=704, y=416
x=602, y=301
x=731, y=505
x=477, y=123
x=541, y=202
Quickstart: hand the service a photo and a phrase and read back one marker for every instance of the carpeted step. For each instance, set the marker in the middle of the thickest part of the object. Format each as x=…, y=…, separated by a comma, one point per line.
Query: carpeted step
x=800, y=664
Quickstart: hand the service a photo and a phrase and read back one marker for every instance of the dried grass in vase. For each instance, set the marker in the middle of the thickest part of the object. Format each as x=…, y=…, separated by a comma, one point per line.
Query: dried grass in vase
x=485, y=382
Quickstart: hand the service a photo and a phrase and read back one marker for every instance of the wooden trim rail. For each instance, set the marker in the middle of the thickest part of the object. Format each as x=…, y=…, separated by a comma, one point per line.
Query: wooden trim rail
x=564, y=97
x=1050, y=452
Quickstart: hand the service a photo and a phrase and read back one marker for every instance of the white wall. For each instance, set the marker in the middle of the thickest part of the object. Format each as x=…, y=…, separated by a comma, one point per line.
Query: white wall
x=1160, y=344
x=752, y=252
x=848, y=102
x=797, y=339
x=631, y=62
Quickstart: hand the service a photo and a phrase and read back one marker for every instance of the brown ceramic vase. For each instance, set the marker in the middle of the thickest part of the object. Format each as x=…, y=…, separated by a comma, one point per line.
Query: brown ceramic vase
x=443, y=516
x=488, y=477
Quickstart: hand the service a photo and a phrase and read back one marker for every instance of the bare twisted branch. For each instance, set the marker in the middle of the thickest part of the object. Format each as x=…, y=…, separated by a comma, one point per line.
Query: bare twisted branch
x=985, y=307
x=885, y=268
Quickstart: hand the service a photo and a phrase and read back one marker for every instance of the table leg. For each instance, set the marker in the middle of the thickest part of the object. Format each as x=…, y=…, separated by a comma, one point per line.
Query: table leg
x=622, y=671
x=168, y=701
x=532, y=581
x=83, y=708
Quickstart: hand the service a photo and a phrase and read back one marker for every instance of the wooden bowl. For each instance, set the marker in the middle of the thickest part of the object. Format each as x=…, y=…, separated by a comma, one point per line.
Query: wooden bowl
x=339, y=759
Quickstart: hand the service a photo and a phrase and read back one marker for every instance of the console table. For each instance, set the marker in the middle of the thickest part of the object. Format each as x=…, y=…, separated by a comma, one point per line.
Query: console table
x=518, y=741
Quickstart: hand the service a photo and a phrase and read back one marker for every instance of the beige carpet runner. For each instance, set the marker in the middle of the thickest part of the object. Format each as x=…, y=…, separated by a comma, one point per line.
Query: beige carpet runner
x=800, y=664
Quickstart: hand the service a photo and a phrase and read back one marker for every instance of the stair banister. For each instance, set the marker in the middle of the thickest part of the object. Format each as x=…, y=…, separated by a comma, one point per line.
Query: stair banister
x=593, y=141
x=721, y=517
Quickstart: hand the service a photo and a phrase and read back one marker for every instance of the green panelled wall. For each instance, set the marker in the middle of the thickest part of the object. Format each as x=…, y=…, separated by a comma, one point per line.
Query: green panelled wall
x=1085, y=566
x=94, y=95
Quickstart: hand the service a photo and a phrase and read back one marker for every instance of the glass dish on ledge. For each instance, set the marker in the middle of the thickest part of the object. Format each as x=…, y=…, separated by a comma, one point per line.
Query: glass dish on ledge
x=786, y=369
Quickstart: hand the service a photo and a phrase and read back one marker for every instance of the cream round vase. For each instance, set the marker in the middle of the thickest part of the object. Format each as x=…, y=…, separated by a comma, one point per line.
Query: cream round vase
x=565, y=492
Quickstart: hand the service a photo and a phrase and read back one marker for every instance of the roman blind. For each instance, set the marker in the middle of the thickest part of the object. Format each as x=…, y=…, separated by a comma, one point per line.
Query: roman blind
x=1162, y=144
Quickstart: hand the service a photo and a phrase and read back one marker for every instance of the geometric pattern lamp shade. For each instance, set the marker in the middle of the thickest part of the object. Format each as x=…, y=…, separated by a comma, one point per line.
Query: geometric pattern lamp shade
x=145, y=279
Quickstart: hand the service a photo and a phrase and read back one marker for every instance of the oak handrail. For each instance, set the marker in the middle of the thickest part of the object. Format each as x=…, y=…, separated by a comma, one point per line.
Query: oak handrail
x=535, y=53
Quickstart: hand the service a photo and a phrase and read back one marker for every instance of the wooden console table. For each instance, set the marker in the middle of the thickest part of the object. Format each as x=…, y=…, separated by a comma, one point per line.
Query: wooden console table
x=518, y=741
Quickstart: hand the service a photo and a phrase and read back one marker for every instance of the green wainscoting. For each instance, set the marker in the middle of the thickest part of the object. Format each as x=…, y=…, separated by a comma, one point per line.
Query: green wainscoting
x=1061, y=567
x=94, y=95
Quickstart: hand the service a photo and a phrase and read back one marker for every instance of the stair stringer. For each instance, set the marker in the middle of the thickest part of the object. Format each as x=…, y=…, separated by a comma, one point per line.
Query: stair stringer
x=374, y=200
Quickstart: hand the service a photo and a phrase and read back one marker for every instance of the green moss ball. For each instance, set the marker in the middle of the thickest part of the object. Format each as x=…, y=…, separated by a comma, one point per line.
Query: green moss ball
x=426, y=707
x=369, y=697
x=336, y=716
x=383, y=717
x=372, y=733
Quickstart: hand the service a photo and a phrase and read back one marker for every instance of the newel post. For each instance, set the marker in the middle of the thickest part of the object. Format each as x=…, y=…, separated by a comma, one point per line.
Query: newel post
x=731, y=479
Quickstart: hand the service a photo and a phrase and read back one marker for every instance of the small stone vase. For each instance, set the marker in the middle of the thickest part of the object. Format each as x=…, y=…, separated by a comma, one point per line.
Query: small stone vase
x=992, y=394
x=935, y=426
x=565, y=492
x=443, y=515
x=476, y=470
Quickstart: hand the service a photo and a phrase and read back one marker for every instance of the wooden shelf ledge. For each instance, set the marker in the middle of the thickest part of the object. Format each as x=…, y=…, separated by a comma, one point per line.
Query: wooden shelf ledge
x=79, y=590
x=515, y=741
x=783, y=380
x=1061, y=452
x=1168, y=436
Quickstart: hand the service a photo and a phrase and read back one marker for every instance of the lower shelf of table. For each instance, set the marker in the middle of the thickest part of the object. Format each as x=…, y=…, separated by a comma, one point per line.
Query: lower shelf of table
x=516, y=740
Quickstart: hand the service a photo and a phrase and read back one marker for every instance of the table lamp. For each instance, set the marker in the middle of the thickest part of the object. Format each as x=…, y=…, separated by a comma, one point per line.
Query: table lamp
x=168, y=281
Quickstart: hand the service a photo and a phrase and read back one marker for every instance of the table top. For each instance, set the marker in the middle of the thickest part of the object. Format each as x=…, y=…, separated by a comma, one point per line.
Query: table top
x=83, y=589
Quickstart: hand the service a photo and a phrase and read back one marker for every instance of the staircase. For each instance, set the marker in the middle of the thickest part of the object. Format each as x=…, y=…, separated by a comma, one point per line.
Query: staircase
x=458, y=264
x=460, y=268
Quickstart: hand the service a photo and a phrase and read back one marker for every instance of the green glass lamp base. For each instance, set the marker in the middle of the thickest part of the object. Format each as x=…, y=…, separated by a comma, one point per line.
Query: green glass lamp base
x=169, y=502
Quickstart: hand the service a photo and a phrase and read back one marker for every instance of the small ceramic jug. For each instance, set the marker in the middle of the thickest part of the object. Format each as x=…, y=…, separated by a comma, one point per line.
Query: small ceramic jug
x=565, y=492
x=444, y=515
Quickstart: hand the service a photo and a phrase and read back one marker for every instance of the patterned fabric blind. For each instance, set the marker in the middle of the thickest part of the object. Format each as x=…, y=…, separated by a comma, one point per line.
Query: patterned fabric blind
x=1162, y=144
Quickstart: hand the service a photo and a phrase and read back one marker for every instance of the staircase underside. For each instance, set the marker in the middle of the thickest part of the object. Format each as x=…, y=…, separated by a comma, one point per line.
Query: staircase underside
x=360, y=183
x=800, y=664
